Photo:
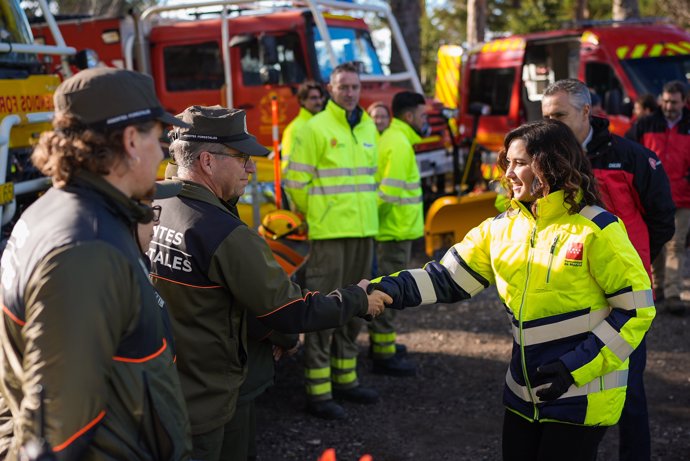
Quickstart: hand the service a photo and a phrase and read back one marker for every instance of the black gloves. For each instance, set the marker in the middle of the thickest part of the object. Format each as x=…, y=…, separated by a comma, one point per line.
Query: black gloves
x=558, y=375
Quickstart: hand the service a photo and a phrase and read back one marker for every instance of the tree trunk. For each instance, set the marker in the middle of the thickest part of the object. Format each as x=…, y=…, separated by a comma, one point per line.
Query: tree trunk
x=625, y=9
x=408, y=14
x=476, y=21
x=581, y=11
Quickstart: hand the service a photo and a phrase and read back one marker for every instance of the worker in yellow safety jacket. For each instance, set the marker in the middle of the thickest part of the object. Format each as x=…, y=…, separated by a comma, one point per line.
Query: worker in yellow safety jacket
x=575, y=290
x=330, y=178
x=310, y=95
x=401, y=219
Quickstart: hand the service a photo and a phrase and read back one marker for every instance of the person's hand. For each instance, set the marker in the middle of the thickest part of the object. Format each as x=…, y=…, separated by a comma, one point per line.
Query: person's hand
x=377, y=302
x=279, y=352
x=558, y=375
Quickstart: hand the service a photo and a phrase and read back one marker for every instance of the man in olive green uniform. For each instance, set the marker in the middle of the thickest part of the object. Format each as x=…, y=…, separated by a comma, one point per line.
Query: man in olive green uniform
x=330, y=179
x=215, y=272
x=85, y=336
x=310, y=95
x=401, y=217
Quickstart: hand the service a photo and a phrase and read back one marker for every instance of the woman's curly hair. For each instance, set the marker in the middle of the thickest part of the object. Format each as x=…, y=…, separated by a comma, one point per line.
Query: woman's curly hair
x=72, y=146
x=558, y=162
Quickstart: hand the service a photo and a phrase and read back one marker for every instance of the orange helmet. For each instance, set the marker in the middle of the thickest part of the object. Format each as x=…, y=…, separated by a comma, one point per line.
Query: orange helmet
x=283, y=224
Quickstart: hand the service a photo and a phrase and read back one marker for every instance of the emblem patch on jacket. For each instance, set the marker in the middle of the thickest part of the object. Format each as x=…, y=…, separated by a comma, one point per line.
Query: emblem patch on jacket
x=573, y=256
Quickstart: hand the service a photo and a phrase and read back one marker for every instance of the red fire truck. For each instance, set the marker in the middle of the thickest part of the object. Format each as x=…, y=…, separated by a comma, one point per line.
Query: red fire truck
x=270, y=51
x=619, y=61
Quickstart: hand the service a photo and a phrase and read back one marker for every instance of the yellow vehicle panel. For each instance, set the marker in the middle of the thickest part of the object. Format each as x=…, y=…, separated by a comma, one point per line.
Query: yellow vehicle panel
x=19, y=97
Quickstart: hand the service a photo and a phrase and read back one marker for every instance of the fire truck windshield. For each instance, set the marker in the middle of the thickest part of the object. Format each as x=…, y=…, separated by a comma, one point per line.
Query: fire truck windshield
x=648, y=75
x=348, y=45
x=14, y=28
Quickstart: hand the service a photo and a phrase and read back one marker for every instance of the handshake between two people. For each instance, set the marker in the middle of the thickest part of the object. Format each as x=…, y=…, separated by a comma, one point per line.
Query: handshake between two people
x=377, y=299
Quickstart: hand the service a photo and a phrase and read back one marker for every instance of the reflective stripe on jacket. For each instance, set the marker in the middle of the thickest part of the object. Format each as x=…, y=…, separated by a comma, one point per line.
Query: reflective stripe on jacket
x=401, y=216
x=574, y=289
x=330, y=177
x=291, y=130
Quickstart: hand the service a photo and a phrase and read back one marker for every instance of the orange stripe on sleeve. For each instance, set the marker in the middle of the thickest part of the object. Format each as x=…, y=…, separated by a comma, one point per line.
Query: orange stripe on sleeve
x=14, y=318
x=80, y=432
x=143, y=359
x=312, y=293
x=180, y=283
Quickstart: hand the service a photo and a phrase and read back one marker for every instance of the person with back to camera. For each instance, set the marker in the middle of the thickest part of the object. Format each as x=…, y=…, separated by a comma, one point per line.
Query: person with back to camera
x=575, y=290
x=85, y=336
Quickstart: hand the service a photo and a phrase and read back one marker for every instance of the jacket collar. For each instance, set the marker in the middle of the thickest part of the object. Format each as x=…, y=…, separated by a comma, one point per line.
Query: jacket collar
x=304, y=114
x=406, y=129
x=600, y=135
x=195, y=191
x=549, y=207
x=341, y=115
x=129, y=210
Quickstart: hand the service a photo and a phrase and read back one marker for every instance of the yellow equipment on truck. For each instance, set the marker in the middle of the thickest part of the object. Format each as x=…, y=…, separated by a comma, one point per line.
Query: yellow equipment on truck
x=26, y=108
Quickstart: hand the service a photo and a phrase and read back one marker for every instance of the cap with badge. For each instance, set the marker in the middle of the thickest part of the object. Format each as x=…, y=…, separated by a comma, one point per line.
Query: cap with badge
x=220, y=125
x=106, y=97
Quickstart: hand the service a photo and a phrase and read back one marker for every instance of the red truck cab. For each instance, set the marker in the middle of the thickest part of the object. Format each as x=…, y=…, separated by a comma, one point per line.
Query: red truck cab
x=618, y=61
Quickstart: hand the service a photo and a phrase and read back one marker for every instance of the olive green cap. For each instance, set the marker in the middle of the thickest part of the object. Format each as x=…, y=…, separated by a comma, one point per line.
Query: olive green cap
x=106, y=97
x=220, y=125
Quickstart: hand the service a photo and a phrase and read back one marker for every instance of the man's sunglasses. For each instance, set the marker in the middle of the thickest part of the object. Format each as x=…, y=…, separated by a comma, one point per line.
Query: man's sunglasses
x=245, y=157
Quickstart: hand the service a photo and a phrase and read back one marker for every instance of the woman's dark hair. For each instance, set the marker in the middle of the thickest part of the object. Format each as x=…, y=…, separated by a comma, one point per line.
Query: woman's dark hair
x=72, y=146
x=558, y=162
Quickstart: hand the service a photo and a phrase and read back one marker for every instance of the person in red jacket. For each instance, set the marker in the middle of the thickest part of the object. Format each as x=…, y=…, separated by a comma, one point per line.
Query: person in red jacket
x=634, y=187
x=667, y=133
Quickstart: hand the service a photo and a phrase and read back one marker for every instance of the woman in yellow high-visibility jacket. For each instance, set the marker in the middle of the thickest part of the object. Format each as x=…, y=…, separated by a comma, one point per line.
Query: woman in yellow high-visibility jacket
x=575, y=291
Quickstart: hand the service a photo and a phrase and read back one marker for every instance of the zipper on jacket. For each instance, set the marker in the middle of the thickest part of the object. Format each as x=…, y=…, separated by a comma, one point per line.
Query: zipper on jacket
x=522, y=308
x=328, y=209
x=551, y=252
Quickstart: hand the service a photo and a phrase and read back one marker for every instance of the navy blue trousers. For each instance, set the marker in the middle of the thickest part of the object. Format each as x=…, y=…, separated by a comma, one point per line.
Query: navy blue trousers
x=635, y=442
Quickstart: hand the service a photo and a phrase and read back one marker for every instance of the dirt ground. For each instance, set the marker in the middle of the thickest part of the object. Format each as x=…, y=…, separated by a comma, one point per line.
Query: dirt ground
x=452, y=409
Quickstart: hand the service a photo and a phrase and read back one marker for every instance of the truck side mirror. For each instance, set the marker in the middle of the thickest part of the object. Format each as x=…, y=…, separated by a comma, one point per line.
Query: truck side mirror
x=269, y=50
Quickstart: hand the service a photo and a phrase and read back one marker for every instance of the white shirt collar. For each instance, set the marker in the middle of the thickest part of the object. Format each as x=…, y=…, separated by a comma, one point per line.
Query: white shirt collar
x=588, y=138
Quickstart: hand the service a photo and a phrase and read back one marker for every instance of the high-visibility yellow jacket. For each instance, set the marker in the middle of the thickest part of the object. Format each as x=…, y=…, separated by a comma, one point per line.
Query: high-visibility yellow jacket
x=330, y=176
x=401, y=214
x=574, y=289
x=291, y=130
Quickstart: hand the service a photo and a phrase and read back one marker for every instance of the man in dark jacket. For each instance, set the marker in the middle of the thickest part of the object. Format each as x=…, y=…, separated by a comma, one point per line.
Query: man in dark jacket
x=667, y=133
x=215, y=272
x=634, y=187
x=85, y=337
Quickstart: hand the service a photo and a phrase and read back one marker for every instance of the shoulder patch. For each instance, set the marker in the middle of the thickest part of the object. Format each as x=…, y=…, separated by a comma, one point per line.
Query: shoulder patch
x=598, y=216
